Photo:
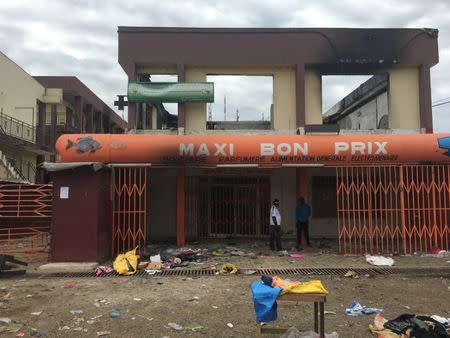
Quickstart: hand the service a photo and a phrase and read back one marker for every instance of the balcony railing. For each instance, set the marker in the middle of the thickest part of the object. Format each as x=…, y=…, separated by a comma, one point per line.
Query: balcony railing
x=16, y=128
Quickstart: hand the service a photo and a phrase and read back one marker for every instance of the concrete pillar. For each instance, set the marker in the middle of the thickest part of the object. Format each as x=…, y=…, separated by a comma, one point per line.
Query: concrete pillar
x=300, y=95
x=180, y=206
x=53, y=131
x=89, y=119
x=426, y=117
x=132, y=107
x=78, y=113
x=195, y=112
x=40, y=138
x=154, y=118
x=404, y=110
x=313, y=97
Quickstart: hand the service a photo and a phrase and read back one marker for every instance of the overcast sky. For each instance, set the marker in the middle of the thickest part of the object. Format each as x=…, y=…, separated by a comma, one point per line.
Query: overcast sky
x=79, y=37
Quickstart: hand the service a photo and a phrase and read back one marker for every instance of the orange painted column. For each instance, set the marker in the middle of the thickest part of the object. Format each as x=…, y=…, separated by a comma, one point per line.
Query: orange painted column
x=302, y=191
x=180, y=206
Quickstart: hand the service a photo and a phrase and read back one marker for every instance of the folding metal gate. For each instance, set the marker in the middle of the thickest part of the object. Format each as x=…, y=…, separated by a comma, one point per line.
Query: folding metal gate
x=222, y=206
x=129, y=197
x=393, y=209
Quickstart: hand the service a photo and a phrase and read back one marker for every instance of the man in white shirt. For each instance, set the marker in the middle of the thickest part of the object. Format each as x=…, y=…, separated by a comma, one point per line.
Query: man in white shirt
x=275, y=226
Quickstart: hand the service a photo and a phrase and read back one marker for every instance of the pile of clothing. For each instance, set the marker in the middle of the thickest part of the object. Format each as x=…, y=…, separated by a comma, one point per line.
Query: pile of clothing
x=411, y=326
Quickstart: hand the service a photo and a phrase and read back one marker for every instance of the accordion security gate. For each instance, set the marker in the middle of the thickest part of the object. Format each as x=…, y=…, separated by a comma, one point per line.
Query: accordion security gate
x=129, y=200
x=402, y=209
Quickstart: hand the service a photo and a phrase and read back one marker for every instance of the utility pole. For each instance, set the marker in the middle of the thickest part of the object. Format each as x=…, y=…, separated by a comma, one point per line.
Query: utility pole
x=237, y=115
x=225, y=108
x=209, y=112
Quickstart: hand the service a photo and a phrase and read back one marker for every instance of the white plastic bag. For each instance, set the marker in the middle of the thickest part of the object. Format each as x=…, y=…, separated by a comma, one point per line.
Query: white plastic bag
x=379, y=260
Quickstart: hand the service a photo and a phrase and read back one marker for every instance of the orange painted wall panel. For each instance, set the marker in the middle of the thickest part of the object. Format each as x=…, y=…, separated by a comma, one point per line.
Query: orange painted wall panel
x=265, y=150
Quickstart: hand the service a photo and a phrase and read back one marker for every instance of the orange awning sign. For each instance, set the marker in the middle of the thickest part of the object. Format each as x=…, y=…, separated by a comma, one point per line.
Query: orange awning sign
x=264, y=150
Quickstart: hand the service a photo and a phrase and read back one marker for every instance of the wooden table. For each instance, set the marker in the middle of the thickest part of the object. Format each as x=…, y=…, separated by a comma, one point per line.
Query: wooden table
x=319, y=302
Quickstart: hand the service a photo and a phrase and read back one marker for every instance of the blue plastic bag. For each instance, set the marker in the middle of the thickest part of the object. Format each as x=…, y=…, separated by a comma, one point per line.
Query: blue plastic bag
x=265, y=302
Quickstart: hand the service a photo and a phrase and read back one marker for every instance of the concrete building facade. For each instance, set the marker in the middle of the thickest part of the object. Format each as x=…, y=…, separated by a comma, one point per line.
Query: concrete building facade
x=34, y=111
x=185, y=194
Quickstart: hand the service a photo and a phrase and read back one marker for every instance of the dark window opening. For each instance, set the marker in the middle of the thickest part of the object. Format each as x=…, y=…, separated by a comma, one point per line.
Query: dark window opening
x=324, y=198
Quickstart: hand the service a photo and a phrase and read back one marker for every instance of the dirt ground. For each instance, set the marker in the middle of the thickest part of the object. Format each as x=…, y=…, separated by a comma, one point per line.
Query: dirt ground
x=148, y=305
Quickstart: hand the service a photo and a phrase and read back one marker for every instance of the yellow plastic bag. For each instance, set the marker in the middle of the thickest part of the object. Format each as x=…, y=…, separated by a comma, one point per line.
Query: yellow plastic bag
x=228, y=269
x=314, y=286
x=126, y=264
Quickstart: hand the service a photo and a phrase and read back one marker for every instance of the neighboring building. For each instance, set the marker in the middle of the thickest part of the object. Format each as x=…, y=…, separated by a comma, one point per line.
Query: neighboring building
x=34, y=112
x=201, y=183
x=365, y=108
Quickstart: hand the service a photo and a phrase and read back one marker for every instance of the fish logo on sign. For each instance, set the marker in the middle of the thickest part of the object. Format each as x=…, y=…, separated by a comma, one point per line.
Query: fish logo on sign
x=444, y=143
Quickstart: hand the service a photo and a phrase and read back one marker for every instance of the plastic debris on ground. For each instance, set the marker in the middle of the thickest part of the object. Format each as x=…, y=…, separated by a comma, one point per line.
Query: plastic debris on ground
x=38, y=313
x=5, y=320
x=356, y=309
x=155, y=258
x=351, y=274
x=379, y=260
x=76, y=312
x=103, y=333
x=197, y=328
x=103, y=270
x=126, y=264
x=230, y=325
x=228, y=269
x=175, y=326
x=115, y=314
x=69, y=286
x=297, y=255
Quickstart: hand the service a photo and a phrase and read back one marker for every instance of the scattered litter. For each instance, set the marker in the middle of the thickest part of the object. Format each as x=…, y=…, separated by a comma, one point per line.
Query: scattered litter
x=297, y=256
x=154, y=266
x=156, y=258
x=149, y=319
x=197, y=328
x=97, y=304
x=351, y=274
x=78, y=329
x=379, y=260
x=249, y=272
x=69, y=286
x=142, y=265
x=176, y=260
x=103, y=270
x=76, y=312
x=230, y=325
x=38, y=313
x=151, y=272
x=228, y=269
x=29, y=296
x=215, y=307
x=90, y=322
x=329, y=313
x=115, y=314
x=407, y=307
x=64, y=328
x=20, y=334
x=175, y=326
x=137, y=299
x=194, y=298
x=5, y=320
x=36, y=333
x=126, y=264
x=283, y=253
x=103, y=333
x=356, y=309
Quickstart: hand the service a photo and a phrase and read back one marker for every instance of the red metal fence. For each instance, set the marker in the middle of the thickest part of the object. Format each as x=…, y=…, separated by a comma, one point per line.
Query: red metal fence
x=129, y=196
x=393, y=209
x=25, y=218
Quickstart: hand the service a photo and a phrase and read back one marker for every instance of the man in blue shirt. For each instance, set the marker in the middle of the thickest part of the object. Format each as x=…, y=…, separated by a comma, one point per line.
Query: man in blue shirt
x=302, y=213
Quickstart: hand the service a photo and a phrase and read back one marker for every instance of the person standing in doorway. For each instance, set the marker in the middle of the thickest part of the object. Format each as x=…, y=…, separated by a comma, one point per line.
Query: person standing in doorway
x=302, y=213
x=275, y=226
